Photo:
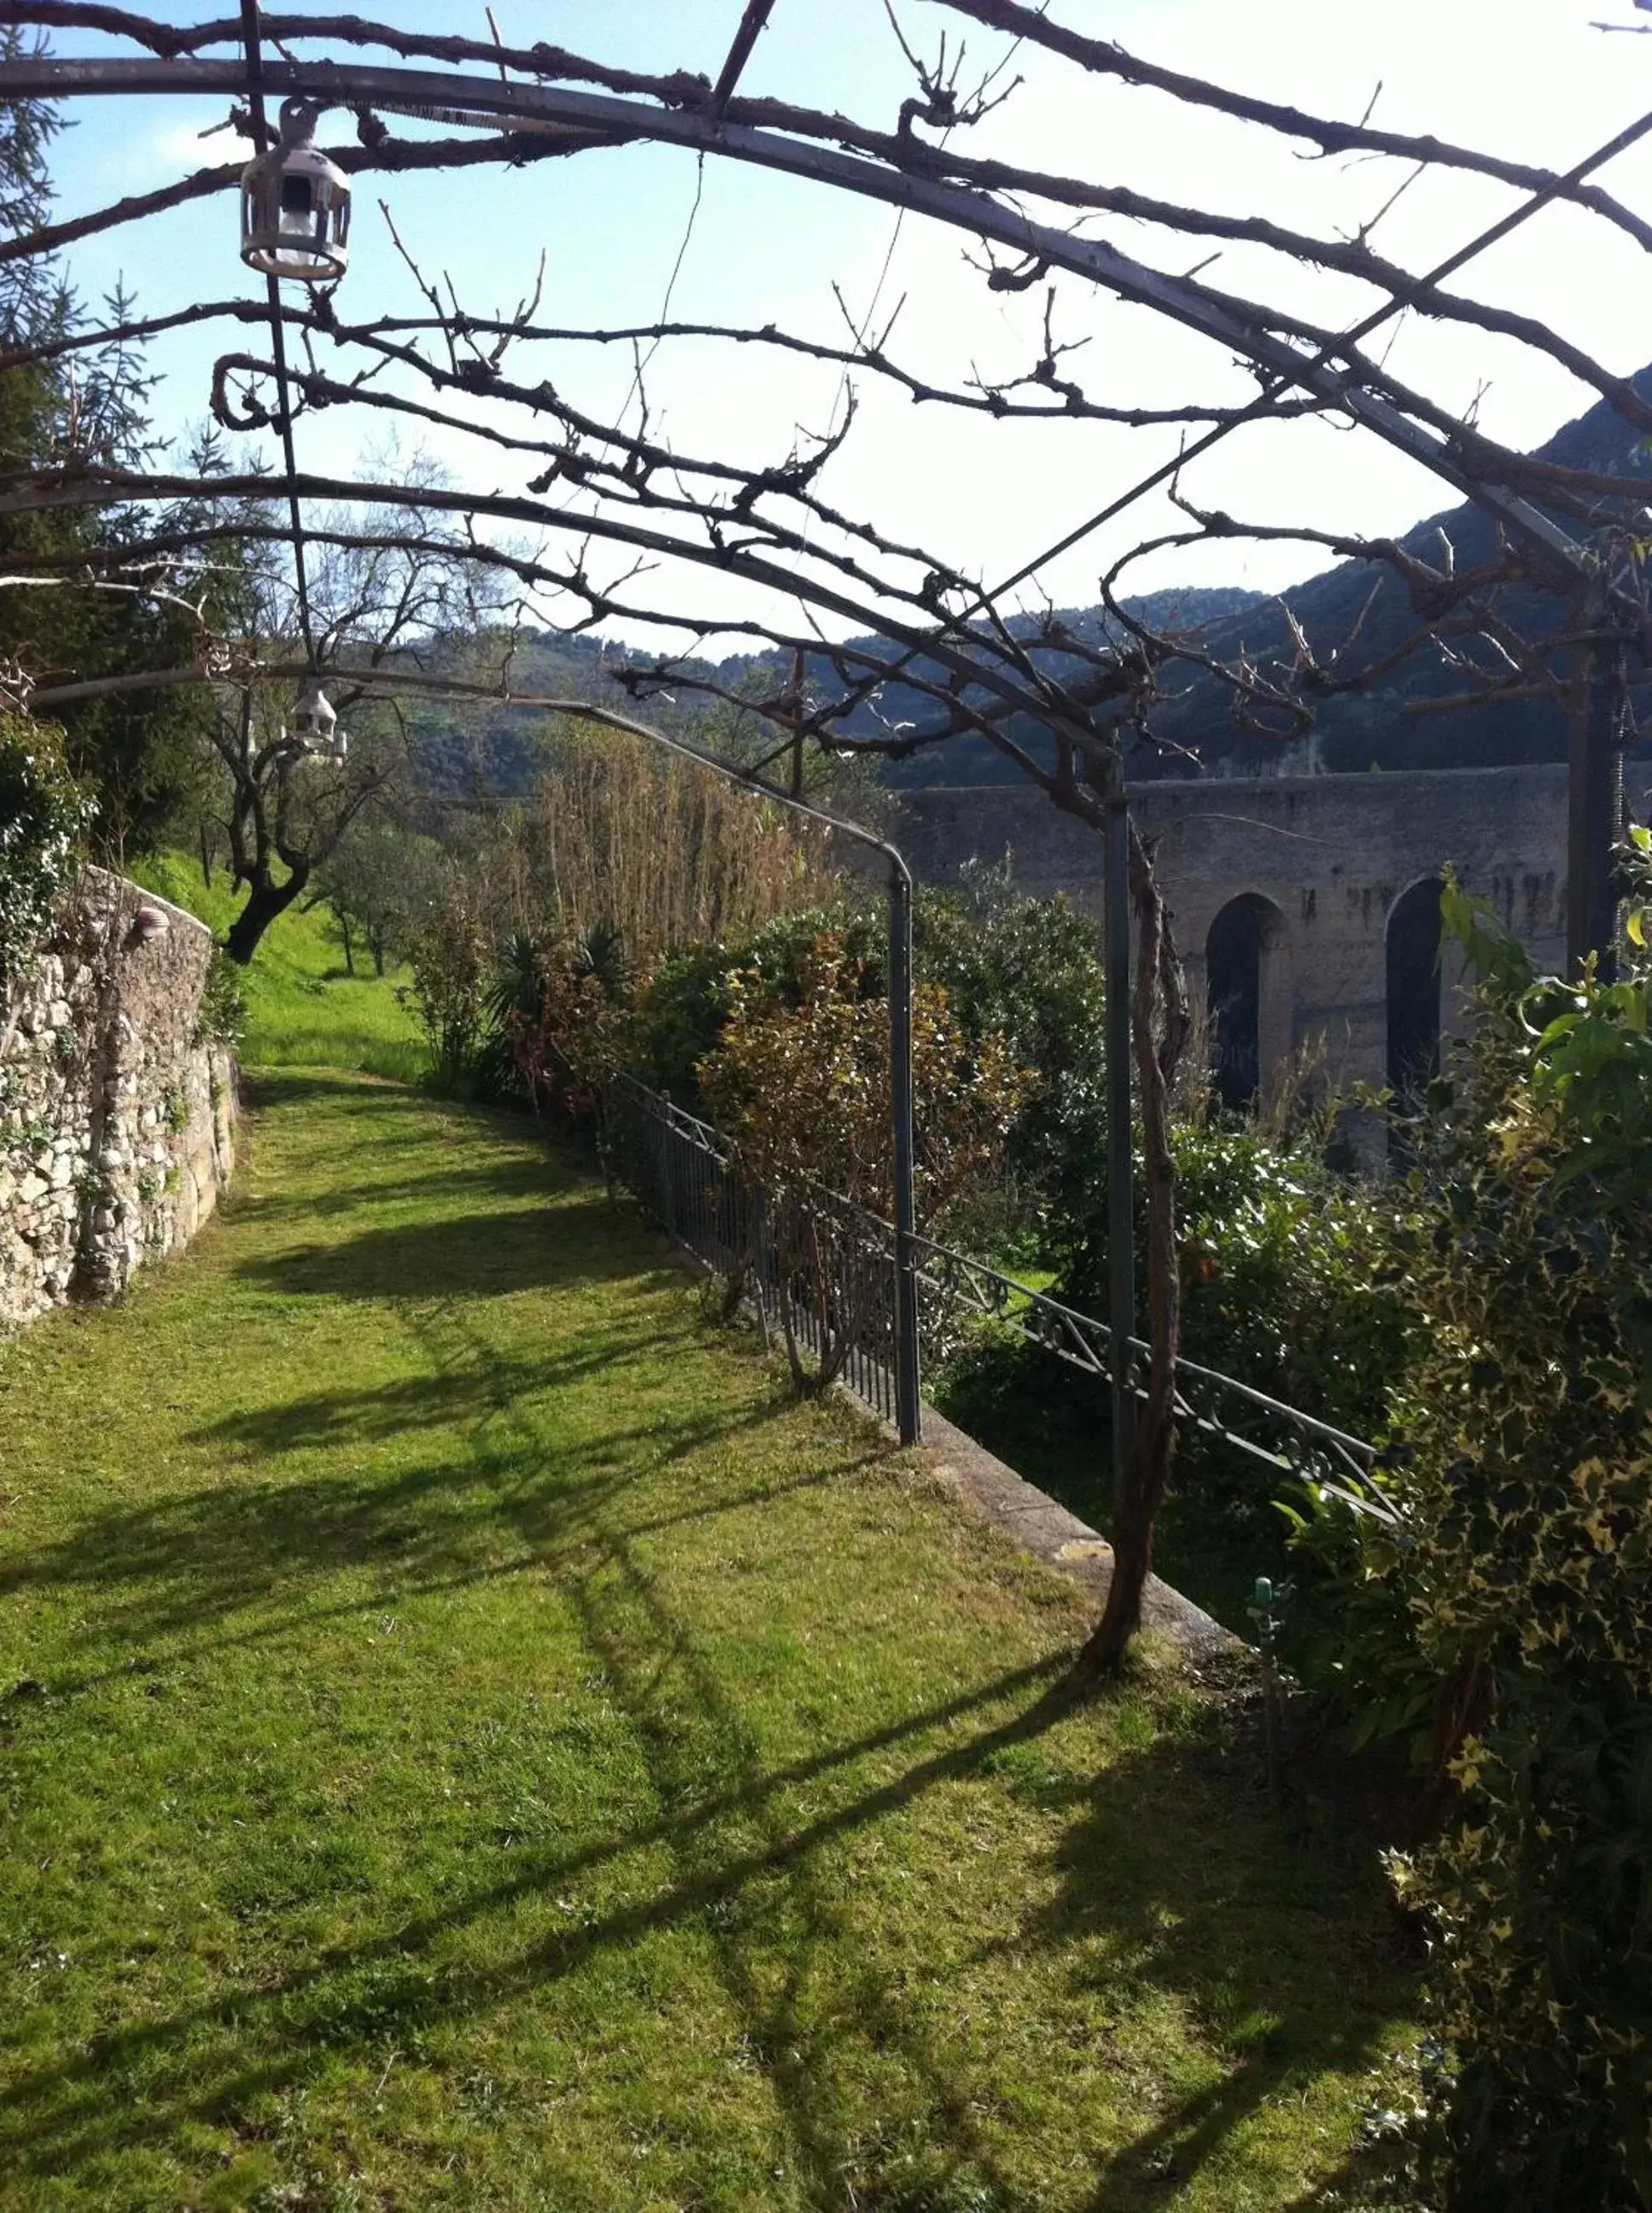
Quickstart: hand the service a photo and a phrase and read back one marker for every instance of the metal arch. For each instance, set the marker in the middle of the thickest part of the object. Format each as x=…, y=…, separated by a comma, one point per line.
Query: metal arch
x=332, y=83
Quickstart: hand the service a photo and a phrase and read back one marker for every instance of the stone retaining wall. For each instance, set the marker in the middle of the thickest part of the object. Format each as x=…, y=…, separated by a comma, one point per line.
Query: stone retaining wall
x=117, y=1118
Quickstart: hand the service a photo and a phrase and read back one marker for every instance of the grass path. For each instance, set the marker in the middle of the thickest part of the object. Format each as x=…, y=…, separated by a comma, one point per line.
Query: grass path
x=466, y=1740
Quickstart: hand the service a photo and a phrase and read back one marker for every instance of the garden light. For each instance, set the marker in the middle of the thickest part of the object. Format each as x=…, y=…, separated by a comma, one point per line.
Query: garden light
x=315, y=724
x=295, y=205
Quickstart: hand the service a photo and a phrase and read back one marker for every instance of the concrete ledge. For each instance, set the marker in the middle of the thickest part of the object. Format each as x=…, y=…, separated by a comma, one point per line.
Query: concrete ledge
x=1037, y=1522
x=1040, y=1526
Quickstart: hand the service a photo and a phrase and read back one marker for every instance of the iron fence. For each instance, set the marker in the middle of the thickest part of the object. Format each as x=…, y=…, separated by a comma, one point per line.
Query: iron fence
x=822, y=1274
x=824, y=1271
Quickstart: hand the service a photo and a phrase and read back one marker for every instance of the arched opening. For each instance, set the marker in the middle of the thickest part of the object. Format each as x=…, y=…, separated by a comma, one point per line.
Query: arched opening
x=1236, y=960
x=1413, y=990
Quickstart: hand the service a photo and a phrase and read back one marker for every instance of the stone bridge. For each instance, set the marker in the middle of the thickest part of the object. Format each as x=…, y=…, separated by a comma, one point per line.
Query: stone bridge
x=1307, y=908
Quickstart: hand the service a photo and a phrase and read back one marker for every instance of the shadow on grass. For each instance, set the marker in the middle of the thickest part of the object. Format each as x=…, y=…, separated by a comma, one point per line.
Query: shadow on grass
x=1230, y=1919
x=183, y=1563
x=526, y=1176
x=750, y=1859
x=754, y=1862
x=1167, y=1870
x=561, y=1234
x=478, y=1255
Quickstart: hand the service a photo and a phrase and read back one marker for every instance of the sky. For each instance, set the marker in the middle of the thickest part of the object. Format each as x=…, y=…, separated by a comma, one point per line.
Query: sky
x=1530, y=79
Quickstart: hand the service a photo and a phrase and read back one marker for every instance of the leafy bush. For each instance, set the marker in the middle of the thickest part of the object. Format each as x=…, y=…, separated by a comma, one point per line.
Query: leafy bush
x=43, y=814
x=1024, y=971
x=1287, y=1280
x=1289, y=1283
x=804, y=1091
x=224, y=1003
x=449, y=962
x=1527, y=1490
x=681, y=1009
x=557, y=1016
x=1028, y=971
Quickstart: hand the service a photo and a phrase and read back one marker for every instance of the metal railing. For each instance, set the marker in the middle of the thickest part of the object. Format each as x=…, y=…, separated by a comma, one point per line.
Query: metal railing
x=837, y=1300
x=842, y=1302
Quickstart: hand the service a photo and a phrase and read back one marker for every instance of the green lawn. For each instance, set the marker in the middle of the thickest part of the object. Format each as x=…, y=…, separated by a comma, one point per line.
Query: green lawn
x=303, y=1010
x=468, y=1739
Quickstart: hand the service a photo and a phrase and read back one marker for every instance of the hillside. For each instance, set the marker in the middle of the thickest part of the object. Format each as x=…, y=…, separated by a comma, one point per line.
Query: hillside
x=303, y=1008
x=480, y=747
x=1376, y=728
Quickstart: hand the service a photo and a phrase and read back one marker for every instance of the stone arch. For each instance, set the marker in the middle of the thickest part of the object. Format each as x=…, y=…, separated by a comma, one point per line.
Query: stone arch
x=1412, y=993
x=1247, y=996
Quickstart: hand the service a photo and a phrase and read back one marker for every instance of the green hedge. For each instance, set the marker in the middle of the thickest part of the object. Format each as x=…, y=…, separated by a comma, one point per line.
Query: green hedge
x=43, y=815
x=1527, y=1486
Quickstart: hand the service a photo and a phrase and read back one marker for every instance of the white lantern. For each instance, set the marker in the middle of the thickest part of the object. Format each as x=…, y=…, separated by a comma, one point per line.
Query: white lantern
x=295, y=205
x=315, y=723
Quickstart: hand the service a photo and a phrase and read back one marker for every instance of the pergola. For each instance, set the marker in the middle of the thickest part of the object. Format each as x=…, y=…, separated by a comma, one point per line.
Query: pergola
x=1568, y=533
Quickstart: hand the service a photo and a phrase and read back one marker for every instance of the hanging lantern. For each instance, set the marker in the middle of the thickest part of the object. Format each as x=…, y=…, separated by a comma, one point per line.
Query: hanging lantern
x=314, y=722
x=295, y=205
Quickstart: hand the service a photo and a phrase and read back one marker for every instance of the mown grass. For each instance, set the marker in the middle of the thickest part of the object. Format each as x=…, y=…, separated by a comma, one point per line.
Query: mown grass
x=1218, y=1529
x=303, y=1010
x=468, y=1739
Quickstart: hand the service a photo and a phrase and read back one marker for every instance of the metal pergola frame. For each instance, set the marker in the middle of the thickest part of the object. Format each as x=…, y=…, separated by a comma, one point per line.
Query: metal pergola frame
x=604, y=119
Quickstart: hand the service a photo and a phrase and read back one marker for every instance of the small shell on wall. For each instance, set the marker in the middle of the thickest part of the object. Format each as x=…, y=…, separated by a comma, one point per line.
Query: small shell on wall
x=148, y=922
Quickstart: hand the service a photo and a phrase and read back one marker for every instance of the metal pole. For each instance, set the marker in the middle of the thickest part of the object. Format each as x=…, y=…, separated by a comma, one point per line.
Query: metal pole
x=908, y=1414
x=1593, y=807
x=908, y=1381
x=1121, y=1210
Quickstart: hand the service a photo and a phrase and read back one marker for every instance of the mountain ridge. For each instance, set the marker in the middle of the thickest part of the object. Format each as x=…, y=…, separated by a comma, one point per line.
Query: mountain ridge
x=1374, y=728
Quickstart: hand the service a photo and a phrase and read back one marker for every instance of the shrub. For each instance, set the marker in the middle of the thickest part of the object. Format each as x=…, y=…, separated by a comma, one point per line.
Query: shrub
x=449, y=962
x=1288, y=1281
x=804, y=1091
x=558, y=1019
x=1028, y=971
x=43, y=815
x=1528, y=1489
x=1024, y=971
x=223, y=1003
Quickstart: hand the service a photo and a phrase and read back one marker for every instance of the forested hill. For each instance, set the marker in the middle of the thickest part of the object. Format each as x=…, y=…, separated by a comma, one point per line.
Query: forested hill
x=1380, y=729
x=498, y=747
x=1375, y=728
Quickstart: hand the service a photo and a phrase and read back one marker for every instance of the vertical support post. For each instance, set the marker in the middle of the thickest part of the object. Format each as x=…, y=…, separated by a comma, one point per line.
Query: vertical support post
x=1593, y=807
x=1121, y=1210
x=796, y=701
x=908, y=1419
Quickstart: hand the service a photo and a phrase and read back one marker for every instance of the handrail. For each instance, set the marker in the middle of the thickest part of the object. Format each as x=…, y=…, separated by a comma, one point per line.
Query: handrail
x=1299, y=1444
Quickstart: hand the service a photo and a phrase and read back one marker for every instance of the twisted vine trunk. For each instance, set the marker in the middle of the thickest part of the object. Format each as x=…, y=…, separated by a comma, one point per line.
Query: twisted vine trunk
x=1160, y=1025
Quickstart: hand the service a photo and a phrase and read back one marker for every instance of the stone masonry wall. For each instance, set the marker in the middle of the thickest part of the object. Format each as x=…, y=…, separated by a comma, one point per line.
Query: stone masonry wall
x=1329, y=856
x=117, y=1120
